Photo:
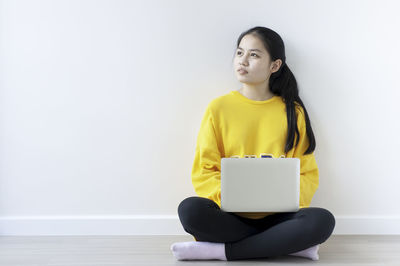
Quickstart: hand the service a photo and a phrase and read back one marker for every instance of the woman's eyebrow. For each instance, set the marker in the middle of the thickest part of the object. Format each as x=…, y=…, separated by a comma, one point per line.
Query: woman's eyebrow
x=251, y=49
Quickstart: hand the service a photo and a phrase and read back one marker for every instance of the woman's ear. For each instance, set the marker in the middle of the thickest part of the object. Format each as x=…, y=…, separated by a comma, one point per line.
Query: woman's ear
x=276, y=65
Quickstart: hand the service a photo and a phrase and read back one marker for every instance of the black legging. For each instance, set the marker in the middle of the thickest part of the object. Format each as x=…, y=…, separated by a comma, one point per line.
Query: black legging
x=274, y=235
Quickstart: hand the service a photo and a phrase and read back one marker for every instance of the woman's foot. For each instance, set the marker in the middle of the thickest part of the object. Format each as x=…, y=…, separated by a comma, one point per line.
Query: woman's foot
x=311, y=253
x=198, y=250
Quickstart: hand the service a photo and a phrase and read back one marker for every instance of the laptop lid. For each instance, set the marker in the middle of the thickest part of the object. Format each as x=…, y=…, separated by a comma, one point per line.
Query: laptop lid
x=260, y=184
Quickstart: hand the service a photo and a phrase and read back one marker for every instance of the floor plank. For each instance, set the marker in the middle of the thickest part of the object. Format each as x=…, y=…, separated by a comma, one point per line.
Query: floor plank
x=155, y=250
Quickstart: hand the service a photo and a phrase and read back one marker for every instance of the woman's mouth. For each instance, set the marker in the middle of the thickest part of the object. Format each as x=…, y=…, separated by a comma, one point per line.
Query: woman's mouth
x=242, y=71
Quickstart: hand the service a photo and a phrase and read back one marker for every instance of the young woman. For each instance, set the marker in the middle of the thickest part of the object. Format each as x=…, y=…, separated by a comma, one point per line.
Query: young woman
x=264, y=118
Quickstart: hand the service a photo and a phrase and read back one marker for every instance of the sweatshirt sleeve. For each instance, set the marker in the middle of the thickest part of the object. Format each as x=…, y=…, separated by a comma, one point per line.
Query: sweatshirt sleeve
x=309, y=173
x=206, y=170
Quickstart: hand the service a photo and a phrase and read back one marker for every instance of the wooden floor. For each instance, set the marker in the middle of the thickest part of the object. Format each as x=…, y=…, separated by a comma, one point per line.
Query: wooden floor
x=155, y=250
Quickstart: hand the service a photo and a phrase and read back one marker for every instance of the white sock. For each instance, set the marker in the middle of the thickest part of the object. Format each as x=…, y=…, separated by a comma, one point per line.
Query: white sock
x=311, y=253
x=198, y=250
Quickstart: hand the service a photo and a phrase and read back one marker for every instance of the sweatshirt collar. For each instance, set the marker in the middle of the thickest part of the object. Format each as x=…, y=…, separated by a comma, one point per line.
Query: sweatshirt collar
x=238, y=95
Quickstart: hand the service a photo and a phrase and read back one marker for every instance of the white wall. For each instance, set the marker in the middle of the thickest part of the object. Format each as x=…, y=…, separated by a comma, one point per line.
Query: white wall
x=101, y=103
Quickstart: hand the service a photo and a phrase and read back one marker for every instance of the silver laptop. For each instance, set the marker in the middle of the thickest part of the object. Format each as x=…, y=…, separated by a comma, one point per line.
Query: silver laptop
x=260, y=184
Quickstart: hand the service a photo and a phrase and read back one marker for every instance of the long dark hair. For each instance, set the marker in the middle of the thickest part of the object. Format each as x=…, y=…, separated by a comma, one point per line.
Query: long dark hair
x=283, y=83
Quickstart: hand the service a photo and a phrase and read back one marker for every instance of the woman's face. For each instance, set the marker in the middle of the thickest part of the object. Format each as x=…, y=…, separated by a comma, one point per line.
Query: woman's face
x=254, y=58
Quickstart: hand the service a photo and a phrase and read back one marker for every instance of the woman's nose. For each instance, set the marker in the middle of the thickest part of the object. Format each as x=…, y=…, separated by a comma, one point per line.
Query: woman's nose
x=243, y=61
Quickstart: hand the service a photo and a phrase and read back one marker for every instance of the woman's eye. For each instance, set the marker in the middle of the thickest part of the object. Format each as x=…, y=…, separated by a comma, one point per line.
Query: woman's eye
x=251, y=54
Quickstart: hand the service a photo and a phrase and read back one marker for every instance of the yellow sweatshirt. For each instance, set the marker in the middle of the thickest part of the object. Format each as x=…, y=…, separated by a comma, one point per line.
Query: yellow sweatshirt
x=236, y=126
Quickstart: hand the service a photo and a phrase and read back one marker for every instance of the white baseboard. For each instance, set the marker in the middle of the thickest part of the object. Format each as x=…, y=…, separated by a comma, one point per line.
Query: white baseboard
x=163, y=225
